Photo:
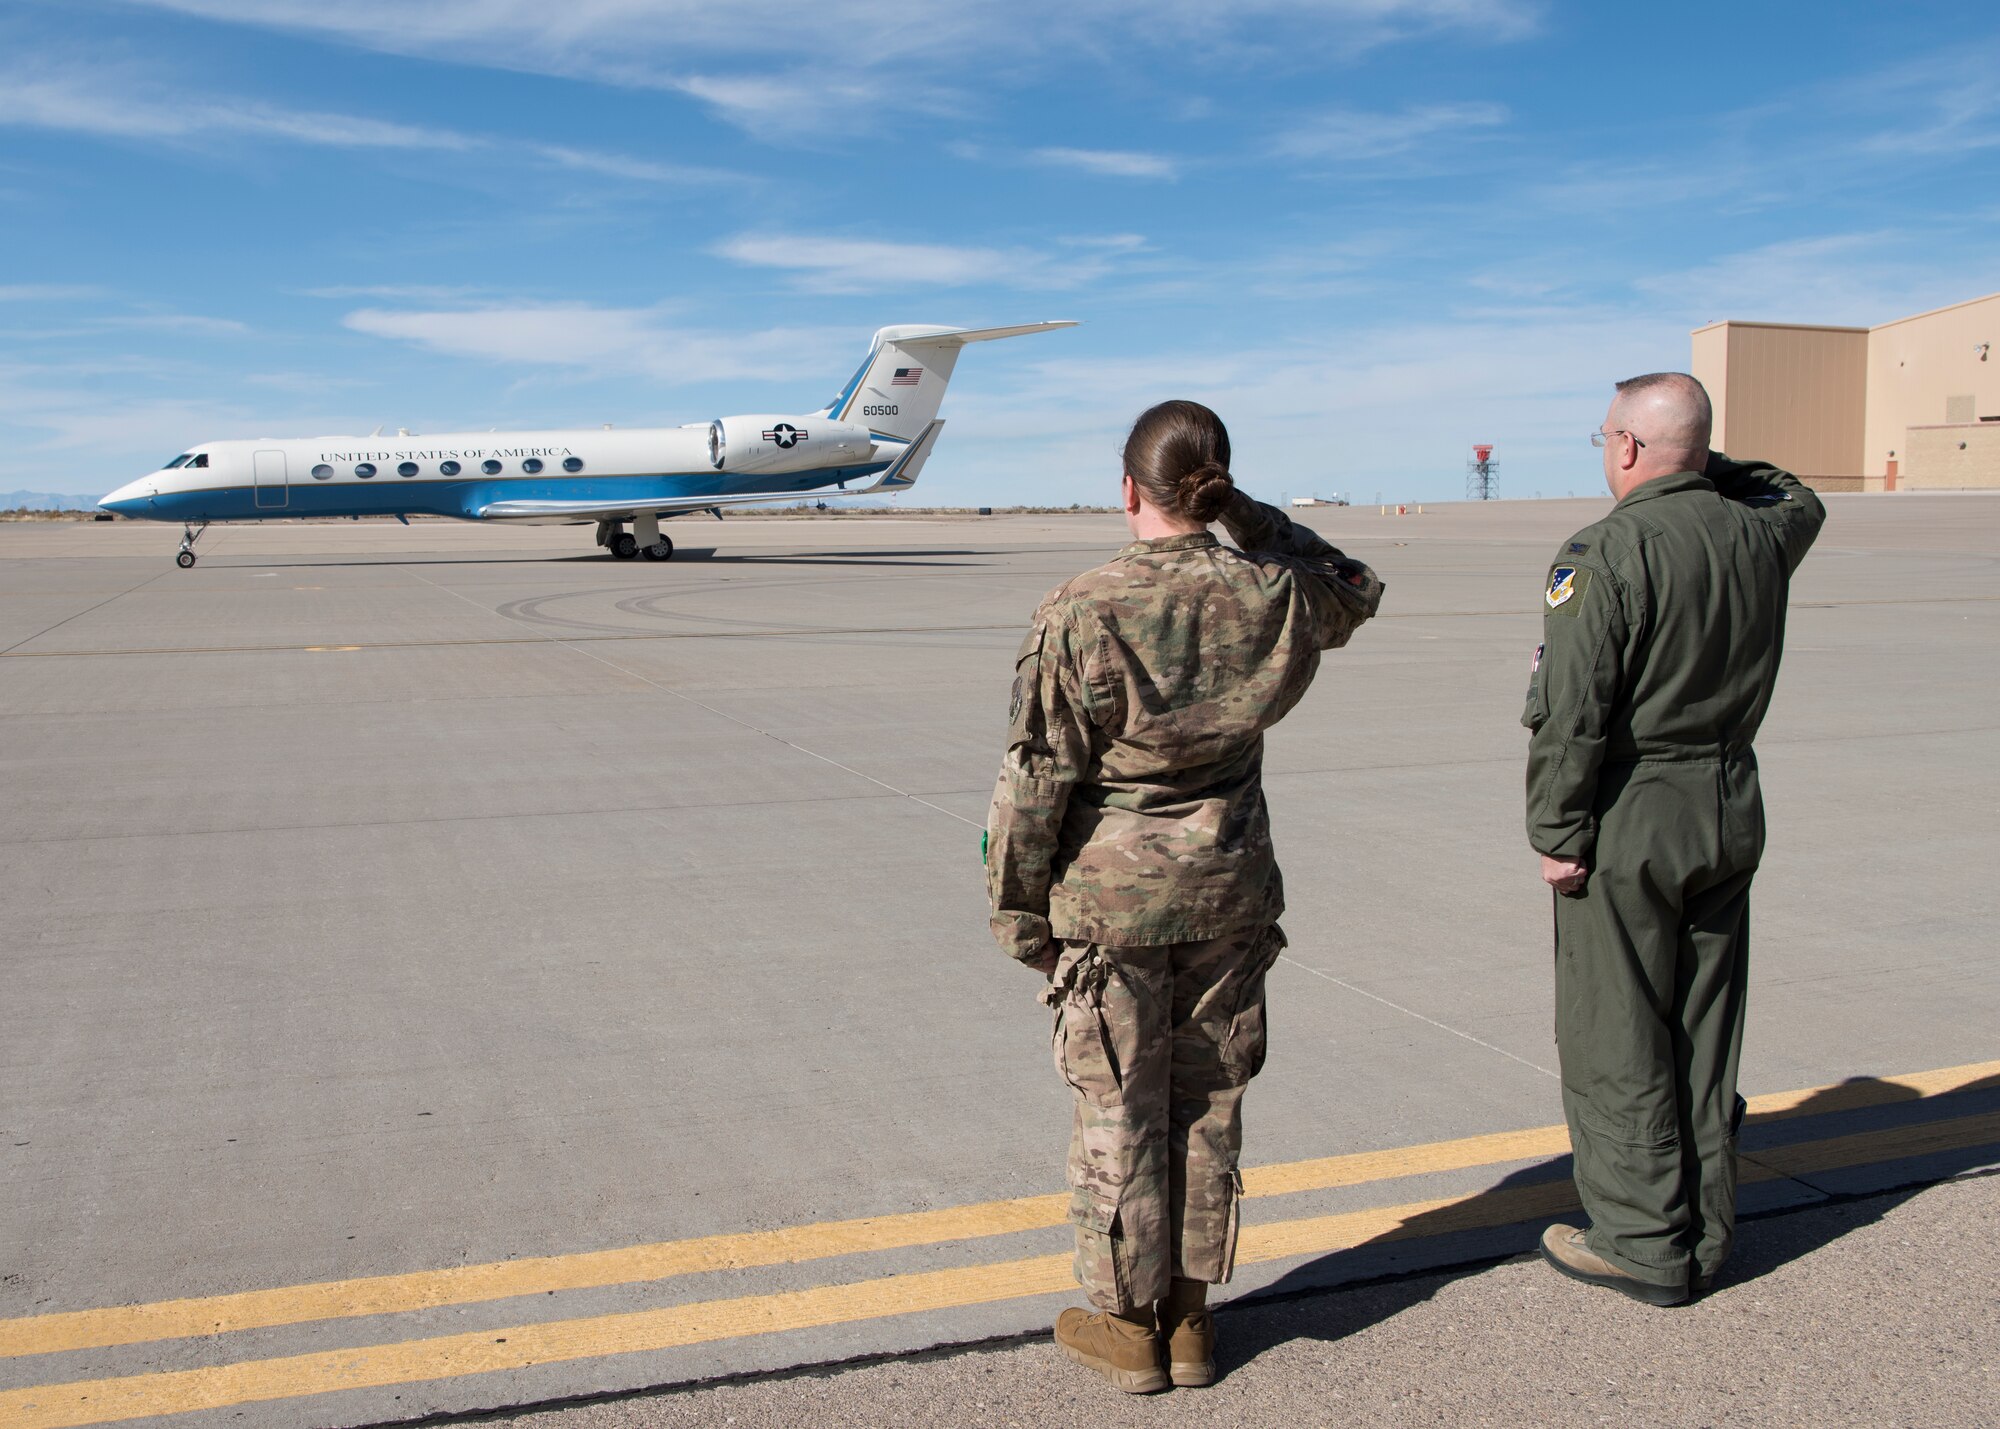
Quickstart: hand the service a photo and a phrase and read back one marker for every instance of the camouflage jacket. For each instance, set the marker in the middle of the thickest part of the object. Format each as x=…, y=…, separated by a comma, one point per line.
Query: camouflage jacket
x=1130, y=804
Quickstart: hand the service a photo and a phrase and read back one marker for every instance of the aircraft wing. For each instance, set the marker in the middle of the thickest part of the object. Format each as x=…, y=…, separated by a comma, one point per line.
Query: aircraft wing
x=897, y=476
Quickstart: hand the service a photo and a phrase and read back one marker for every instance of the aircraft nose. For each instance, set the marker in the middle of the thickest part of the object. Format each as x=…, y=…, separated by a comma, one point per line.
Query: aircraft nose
x=131, y=499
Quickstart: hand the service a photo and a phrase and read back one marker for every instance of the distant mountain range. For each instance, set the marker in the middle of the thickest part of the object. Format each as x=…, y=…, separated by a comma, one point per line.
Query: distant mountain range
x=44, y=501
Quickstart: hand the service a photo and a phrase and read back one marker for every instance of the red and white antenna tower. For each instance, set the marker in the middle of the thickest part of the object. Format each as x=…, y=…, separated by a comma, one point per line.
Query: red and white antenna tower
x=1480, y=482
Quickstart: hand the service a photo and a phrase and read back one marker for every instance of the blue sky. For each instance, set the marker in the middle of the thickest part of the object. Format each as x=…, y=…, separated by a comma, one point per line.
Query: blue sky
x=1369, y=232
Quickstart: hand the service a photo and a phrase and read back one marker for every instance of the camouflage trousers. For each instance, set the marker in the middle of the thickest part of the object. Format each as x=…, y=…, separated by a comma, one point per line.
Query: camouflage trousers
x=1158, y=1044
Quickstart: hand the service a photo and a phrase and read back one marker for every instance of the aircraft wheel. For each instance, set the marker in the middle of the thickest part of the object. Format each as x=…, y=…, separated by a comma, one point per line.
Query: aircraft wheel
x=185, y=560
x=624, y=545
x=661, y=550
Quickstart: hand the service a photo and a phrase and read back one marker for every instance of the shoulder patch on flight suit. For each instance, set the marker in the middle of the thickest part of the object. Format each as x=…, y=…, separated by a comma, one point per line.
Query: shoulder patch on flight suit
x=1566, y=582
x=1577, y=548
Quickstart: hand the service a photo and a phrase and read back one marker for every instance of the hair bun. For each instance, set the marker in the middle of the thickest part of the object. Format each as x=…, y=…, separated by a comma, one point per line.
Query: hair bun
x=1205, y=490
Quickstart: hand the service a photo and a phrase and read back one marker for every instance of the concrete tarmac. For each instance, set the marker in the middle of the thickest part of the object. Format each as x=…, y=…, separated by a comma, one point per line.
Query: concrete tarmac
x=1784, y=1343
x=382, y=901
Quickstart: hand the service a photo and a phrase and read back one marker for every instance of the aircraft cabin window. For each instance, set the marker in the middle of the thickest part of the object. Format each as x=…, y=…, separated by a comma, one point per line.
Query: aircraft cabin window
x=200, y=459
x=532, y=465
x=449, y=468
x=365, y=470
x=572, y=463
x=408, y=468
x=180, y=460
x=322, y=472
x=490, y=467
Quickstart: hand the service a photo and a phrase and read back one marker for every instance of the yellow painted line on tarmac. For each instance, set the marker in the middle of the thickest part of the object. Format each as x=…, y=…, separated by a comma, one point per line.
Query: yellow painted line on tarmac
x=1864, y=1148
x=103, y=1401
x=499, y=1280
x=1859, y=1092
x=469, y=1284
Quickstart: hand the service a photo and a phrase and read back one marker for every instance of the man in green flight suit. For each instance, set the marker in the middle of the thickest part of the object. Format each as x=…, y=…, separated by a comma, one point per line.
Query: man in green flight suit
x=1663, y=625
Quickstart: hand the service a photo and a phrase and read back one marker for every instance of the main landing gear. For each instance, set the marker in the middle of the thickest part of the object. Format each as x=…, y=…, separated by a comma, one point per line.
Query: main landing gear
x=189, y=535
x=649, y=541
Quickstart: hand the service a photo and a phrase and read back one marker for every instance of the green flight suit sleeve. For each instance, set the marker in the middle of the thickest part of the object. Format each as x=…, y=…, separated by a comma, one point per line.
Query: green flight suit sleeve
x=1343, y=592
x=1786, y=506
x=1579, y=677
x=1049, y=744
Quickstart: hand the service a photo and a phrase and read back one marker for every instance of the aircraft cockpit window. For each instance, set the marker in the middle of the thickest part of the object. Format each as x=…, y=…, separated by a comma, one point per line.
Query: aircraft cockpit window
x=490, y=467
x=198, y=459
x=322, y=472
x=180, y=460
x=407, y=468
x=572, y=463
x=532, y=465
x=365, y=470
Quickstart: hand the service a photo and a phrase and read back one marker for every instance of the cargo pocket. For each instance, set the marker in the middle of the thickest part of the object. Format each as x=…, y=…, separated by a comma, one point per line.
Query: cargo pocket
x=1226, y=1252
x=1102, y=1264
x=1080, y=1042
x=1248, y=1038
x=1536, y=712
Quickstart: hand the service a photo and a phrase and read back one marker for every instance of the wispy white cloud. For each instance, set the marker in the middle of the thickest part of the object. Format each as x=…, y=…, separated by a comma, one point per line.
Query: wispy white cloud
x=1638, y=185
x=809, y=104
x=869, y=58
x=132, y=103
x=78, y=435
x=48, y=292
x=413, y=292
x=304, y=384
x=1352, y=135
x=1848, y=279
x=1114, y=163
x=123, y=103
x=1950, y=104
x=859, y=265
x=627, y=166
x=191, y=323
x=636, y=341
x=1371, y=394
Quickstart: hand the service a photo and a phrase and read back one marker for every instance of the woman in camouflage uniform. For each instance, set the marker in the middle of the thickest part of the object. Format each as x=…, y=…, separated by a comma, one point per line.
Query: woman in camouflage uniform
x=1130, y=861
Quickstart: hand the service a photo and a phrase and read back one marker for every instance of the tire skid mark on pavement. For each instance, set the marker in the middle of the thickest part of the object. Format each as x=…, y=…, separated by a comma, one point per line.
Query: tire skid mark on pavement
x=78, y=1403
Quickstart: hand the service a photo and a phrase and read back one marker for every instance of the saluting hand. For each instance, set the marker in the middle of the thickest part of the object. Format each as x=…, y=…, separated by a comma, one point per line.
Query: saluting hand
x=1565, y=875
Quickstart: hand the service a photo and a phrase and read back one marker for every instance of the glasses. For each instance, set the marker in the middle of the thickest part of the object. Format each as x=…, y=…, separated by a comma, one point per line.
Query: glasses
x=1597, y=438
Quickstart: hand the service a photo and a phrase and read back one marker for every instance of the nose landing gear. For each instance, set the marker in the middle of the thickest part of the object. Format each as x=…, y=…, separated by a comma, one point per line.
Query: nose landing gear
x=189, y=535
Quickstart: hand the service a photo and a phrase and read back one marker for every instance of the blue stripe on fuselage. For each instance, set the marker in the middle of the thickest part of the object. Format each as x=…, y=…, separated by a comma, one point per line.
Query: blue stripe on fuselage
x=397, y=496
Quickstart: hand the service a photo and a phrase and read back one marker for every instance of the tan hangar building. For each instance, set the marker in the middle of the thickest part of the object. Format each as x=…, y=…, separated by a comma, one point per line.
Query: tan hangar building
x=1911, y=405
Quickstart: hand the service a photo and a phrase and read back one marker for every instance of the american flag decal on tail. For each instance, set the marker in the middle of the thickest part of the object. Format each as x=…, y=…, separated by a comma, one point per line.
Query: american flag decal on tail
x=907, y=377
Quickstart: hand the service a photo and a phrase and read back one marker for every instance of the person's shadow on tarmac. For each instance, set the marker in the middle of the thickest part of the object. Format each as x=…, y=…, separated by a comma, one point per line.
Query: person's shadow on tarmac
x=1384, y=1276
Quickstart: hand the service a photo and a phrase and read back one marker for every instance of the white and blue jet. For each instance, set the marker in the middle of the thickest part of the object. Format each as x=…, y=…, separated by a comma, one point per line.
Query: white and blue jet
x=873, y=437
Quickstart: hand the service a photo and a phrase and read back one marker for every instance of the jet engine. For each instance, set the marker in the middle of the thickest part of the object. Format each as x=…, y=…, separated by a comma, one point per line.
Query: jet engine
x=756, y=444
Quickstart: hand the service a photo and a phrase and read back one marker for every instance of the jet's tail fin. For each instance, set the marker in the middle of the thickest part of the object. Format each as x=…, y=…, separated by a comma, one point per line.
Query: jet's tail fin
x=897, y=390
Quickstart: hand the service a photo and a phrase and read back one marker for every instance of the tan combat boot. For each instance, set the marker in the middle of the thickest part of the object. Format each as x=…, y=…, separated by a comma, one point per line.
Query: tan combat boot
x=1189, y=1330
x=1564, y=1249
x=1126, y=1352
